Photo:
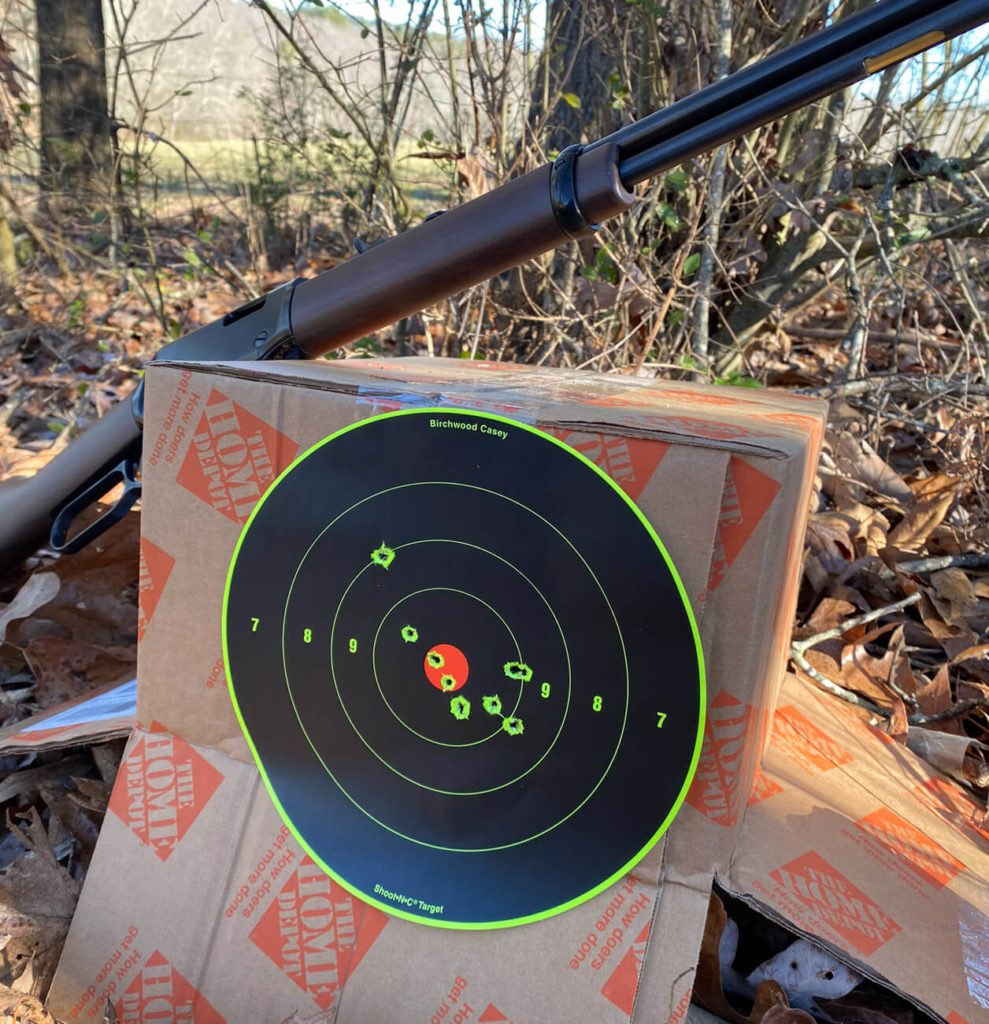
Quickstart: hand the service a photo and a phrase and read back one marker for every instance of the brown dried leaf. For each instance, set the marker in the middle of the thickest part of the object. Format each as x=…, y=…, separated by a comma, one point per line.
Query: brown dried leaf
x=97, y=602
x=873, y=531
x=36, y=592
x=898, y=727
x=831, y=540
x=66, y=669
x=935, y=496
x=870, y=676
x=935, y=696
x=707, y=981
x=786, y=1015
x=862, y=474
x=961, y=757
x=827, y=615
x=24, y=1010
x=36, y=889
x=108, y=757
x=954, y=597
x=951, y=638
x=27, y=783
x=91, y=794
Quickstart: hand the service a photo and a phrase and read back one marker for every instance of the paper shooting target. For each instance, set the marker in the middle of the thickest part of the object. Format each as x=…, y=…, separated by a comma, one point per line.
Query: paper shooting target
x=466, y=666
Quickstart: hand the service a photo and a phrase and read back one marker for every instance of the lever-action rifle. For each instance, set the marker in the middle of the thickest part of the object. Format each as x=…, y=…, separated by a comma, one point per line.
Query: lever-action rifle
x=444, y=255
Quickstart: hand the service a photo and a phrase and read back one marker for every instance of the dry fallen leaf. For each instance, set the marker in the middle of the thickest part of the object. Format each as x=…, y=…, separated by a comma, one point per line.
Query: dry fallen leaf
x=862, y=474
x=786, y=1015
x=66, y=669
x=935, y=696
x=708, y=990
x=37, y=900
x=935, y=496
x=961, y=757
x=829, y=613
x=954, y=597
x=870, y=676
x=36, y=592
x=21, y=1009
x=831, y=541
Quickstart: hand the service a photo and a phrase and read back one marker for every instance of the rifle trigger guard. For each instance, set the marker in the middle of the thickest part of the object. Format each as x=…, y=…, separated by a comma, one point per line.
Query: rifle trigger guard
x=563, y=194
x=125, y=472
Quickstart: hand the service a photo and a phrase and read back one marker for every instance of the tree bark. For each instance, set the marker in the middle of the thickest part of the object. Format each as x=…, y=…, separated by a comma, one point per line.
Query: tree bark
x=76, y=151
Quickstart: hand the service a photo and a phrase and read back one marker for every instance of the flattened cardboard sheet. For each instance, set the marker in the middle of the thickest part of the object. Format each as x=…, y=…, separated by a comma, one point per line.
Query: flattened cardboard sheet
x=106, y=714
x=851, y=838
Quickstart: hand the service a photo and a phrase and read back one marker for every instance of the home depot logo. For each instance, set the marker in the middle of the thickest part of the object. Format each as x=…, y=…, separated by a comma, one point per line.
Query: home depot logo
x=747, y=495
x=832, y=898
x=950, y=804
x=716, y=790
x=763, y=787
x=621, y=987
x=162, y=786
x=154, y=568
x=233, y=458
x=800, y=740
x=932, y=862
x=160, y=995
x=316, y=932
x=629, y=461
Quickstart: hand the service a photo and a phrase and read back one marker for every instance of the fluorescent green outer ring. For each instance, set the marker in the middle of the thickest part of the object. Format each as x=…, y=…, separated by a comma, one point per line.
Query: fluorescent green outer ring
x=678, y=803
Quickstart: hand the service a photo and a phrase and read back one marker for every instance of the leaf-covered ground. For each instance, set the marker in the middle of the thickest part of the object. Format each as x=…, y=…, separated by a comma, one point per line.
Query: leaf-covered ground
x=893, y=615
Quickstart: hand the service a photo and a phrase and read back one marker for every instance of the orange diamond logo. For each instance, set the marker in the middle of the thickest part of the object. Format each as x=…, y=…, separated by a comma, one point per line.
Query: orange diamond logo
x=716, y=789
x=233, y=458
x=159, y=993
x=161, y=788
x=317, y=933
x=834, y=900
x=154, y=569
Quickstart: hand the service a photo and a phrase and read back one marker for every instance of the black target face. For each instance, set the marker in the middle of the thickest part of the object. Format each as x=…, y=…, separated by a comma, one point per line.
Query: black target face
x=466, y=667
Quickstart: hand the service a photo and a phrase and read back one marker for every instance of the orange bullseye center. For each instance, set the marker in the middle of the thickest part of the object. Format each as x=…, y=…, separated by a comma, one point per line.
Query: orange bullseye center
x=446, y=667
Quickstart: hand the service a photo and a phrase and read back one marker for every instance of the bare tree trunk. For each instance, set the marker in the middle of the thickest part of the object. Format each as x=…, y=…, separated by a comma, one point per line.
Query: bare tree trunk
x=572, y=94
x=76, y=151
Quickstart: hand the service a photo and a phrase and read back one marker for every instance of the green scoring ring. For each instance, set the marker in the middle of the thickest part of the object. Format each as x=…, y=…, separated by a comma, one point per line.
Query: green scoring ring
x=701, y=679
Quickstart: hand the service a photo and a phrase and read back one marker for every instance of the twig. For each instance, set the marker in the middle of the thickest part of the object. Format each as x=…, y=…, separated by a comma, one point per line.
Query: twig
x=799, y=646
x=868, y=385
x=839, y=691
x=907, y=335
x=961, y=708
x=938, y=562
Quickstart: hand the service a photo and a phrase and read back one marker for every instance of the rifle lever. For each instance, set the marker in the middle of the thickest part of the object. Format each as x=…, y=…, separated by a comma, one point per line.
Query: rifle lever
x=125, y=472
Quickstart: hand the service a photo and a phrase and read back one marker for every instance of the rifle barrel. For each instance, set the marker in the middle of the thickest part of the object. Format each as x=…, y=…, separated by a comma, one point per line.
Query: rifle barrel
x=513, y=223
x=837, y=57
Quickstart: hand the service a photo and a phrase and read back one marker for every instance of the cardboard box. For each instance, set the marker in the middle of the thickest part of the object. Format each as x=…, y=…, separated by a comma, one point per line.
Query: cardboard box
x=107, y=714
x=854, y=841
x=200, y=903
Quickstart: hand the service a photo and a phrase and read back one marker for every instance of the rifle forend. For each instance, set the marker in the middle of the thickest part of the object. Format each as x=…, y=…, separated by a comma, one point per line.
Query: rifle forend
x=450, y=252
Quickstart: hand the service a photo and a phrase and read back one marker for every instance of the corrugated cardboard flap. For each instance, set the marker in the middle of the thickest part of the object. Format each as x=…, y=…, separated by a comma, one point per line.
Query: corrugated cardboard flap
x=854, y=841
x=743, y=420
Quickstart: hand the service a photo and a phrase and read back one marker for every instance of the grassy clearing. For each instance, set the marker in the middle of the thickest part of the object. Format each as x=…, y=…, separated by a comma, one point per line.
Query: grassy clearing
x=231, y=165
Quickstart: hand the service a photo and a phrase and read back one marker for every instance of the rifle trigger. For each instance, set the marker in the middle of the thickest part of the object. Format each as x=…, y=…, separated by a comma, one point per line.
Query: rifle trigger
x=126, y=473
